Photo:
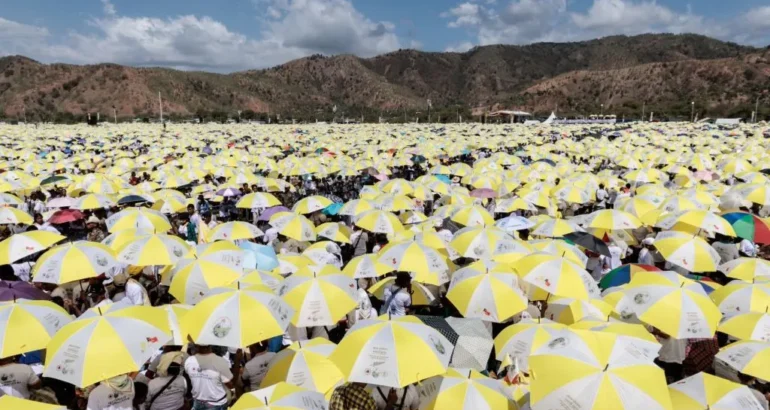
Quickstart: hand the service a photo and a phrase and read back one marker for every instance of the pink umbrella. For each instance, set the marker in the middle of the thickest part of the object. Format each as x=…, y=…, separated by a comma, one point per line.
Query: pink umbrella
x=483, y=193
x=65, y=215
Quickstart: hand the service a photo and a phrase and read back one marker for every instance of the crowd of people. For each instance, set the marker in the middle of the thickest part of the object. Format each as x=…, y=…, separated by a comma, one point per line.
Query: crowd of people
x=603, y=200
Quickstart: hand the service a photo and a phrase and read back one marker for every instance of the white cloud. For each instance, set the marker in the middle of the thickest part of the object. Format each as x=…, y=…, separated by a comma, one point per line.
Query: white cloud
x=290, y=29
x=459, y=47
x=109, y=8
x=528, y=21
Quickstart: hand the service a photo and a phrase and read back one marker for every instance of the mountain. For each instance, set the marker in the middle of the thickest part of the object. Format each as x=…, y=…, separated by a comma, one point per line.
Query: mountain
x=663, y=71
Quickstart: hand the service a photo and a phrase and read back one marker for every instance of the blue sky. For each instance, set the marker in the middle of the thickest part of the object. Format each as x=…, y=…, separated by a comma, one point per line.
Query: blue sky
x=242, y=34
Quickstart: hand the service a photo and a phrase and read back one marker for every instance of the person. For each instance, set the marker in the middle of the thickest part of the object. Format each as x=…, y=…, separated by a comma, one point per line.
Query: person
x=255, y=369
x=192, y=226
x=135, y=293
x=747, y=249
x=601, y=197
x=95, y=234
x=332, y=255
x=169, y=389
x=645, y=255
x=358, y=239
x=398, y=297
x=16, y=379
x=210, y=377
x=616, y=255
x=41, y=225
x=350, y=396
x=597, y=265
x=671, y=355
x=116, y=393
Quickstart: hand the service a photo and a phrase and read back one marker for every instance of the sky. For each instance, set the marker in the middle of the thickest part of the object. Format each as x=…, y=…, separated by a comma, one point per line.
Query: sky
x=235, y=35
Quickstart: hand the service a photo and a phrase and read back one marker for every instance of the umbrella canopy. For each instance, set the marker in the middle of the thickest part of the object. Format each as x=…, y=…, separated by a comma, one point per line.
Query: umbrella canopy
x=73, y=261
x=487, y=291
x=15, y=403
x=156, y=249
x=305, y=364
x=294, y=226
x=28, y=325
x=464, y=390
x=93, y=349
x=392, y=353
x=319, y=299
x=590, y=242
x=594, y=370
x=748, y=226
x=237, y=317
x=281, y=396
x=138, y=218
x=687, y=251
x=13, y=290
x=231, y=231
x=704, y=391
x=557, y=276
x=23, y=244
x=64, y=216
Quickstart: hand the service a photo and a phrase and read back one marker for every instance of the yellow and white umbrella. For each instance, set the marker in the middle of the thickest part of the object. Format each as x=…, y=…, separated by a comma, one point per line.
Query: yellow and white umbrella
x=174, y=313
x=15, y=403
x=93, y=201
x=378, y=221
x=9, y=216
x=156, y=249
x=305, y=364
x=560, y=247
x=335, y=231
x=611, y=219
x=747, y=326
x=366, y=266
x=464, y=390
x=741, y=297
x=288, y=263
x=319, y=299
x=484, y=242
x=192, y=279
x=569, y=310
x=138, y=218
x=93, y=349
x=672, y=303
x=28, y=325
x=23, y=244
x=231, y=231
x=746, y=269
x=427, y=264
x=257, y=200
x=257, y=277
x=687, y=251
x=72, y=262
x=747, y=357
x=294, y=226
x=486, y=291
x=281, y=396
x=513, y=204
x=704, y=391
x=517, y=341
x=392, y=353
x=311, y=204
x=356, y=206
x=557, y=276
x=472, y=215
x=554, y=228
x=596, y=370
x=237, y=317
x=705, y=220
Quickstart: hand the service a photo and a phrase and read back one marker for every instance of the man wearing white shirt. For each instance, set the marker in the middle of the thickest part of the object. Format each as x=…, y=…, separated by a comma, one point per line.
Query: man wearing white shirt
x=16, y=379
x=645, y=255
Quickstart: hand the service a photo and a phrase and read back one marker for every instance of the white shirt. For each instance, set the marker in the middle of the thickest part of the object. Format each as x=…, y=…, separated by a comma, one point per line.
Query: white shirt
x=208, y=374
x=104, y=397
x=23, y=270
x=601, y=197
x=645, y=257
x=747, y=247
x=595, y=266
x=270, y=235
x=672, y=350
x=15, y=379
x=399, y=303
x=616, y=254
x=171, y=397
x=134, y=293
x=255, y=370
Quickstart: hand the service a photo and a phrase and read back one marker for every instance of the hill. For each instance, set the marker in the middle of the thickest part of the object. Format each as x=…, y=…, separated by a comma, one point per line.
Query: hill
x=664, y=71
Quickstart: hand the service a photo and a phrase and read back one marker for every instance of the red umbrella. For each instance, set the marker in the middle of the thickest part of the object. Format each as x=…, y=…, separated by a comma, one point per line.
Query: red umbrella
x=65, y=215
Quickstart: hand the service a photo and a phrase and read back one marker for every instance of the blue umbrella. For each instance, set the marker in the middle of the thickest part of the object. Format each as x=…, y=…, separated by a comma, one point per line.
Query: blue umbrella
x=259, y=256
x=332, y=209
x=443, y=178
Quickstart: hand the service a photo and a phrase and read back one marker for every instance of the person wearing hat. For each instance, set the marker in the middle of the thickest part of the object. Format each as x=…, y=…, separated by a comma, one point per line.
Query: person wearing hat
x=645, y=255
x=136, y=294
x=95, y=234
